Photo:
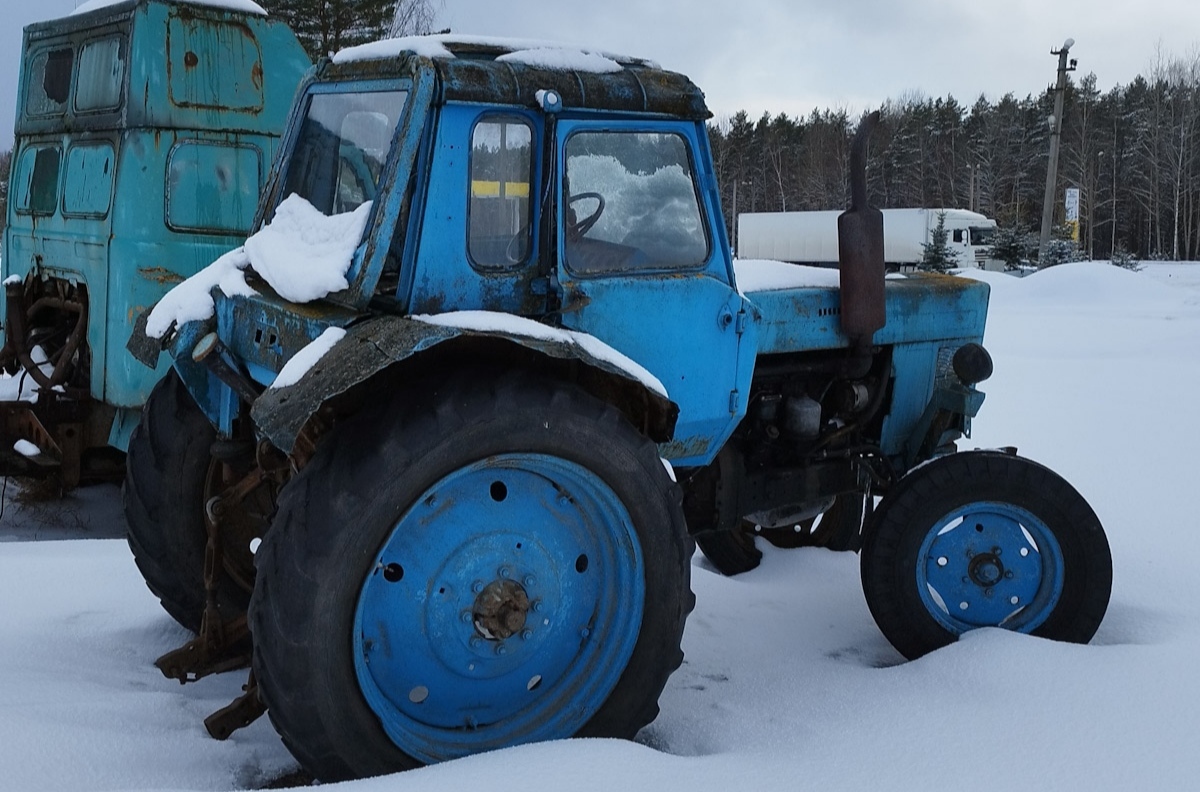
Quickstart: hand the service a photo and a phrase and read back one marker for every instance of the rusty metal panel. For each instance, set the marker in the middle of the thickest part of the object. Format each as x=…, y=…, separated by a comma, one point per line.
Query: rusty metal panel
x=213, y=64
x=375, y=344
x=635, y=89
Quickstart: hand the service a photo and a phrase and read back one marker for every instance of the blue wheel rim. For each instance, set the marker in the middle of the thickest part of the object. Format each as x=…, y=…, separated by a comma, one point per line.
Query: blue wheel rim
x=990, y=564
x=527, y=543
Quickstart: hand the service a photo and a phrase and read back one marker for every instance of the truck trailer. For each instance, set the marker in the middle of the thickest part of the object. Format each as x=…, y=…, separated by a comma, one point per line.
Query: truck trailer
x=812, y=237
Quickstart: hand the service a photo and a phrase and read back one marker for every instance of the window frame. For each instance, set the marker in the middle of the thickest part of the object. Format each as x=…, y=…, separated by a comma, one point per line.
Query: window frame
x=504, y=117
x=112, y=179
x=295, y=131
x=694, y=175
x=28, y=209
x=122, y=55
x=209, y=230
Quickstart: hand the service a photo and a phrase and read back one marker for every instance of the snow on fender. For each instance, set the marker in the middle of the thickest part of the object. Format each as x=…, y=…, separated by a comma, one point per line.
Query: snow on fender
x=371, y=346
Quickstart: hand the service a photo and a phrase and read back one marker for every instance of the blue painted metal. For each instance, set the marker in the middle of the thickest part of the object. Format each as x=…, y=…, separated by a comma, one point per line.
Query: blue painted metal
x=920, y=308
x=990, y=564
x=162, y=153
x=682, y=325
x=440, y=274
x=441, y=682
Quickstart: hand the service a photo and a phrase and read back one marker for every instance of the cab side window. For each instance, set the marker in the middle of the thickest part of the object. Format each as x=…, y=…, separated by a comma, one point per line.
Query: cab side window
x=499, y=227
x=631, y=203
x=36, y=181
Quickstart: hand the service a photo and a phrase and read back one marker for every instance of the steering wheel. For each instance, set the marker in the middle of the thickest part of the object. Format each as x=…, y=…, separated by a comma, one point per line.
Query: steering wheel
x=581, y=227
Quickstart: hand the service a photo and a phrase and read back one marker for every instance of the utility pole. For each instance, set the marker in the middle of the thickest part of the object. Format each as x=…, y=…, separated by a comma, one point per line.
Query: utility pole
x=1055, y=137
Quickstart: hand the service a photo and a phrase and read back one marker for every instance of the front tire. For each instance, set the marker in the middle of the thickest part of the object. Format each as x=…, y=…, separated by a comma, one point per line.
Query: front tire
x=501, y=560
x=170, y=474
x=984, y=539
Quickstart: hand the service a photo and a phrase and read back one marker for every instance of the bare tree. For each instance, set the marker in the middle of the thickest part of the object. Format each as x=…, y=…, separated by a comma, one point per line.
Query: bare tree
x=414, y=17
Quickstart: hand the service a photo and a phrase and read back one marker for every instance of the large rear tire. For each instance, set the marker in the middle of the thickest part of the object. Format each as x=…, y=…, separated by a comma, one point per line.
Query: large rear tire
x=984, y=539
x=479, y=563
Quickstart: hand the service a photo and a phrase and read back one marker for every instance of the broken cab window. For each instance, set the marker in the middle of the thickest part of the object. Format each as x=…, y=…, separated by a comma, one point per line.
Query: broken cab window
x=37, y=180
x=49, y=82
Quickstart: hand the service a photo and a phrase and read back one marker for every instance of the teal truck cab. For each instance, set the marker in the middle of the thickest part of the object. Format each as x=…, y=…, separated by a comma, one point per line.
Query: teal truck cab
x=145, y=132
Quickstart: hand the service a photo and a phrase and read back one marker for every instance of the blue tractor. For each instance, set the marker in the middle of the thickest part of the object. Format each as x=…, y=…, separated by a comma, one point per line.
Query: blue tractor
x=473, y=472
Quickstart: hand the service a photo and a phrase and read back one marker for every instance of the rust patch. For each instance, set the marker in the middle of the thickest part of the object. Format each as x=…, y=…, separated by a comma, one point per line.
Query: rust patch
x=684, y=448
x=160, y=275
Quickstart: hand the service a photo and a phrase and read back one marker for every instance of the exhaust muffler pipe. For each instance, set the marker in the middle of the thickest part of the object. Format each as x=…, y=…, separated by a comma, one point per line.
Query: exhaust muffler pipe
x=860, y=250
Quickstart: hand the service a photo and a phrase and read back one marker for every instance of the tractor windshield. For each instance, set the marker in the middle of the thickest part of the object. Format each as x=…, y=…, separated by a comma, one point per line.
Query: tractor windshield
x=343, y=146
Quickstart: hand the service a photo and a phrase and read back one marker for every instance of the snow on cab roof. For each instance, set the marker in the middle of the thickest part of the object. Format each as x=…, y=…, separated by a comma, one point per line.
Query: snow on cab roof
x=245, y=6
x=530, y=52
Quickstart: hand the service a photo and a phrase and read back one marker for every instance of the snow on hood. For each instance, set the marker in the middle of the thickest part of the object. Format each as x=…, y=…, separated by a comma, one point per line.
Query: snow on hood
x=532, y=52
x=303, y=254
x=245, y=6
x=493, y=322
x=760, y=275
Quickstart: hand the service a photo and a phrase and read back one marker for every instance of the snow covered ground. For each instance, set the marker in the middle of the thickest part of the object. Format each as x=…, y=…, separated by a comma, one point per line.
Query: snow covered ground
x=788, y=685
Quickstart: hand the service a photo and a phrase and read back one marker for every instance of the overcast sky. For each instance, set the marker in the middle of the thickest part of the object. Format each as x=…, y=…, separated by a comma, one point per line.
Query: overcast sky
x=795, y=55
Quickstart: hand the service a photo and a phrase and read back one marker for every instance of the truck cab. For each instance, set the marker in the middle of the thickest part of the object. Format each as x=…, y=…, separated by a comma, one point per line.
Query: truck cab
x=145, y=132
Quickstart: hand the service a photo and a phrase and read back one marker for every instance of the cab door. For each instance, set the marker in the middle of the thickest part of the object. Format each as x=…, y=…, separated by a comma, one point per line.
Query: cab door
x=643, y=265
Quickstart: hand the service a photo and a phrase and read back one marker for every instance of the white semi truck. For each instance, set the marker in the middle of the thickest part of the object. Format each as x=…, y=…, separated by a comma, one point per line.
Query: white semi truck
x=812, y=237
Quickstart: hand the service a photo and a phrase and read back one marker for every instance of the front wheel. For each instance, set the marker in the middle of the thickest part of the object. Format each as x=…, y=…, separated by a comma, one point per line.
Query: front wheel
x=170, y=476
x=984, y=539
x=502, y=561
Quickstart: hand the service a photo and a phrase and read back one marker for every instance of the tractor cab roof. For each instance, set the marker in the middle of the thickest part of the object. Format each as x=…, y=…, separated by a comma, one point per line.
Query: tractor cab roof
x=515, y=71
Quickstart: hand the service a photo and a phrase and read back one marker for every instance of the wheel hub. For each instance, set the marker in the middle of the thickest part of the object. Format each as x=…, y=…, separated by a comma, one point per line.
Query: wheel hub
x=963, y=582
x=500, y=610
x=985, y=570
